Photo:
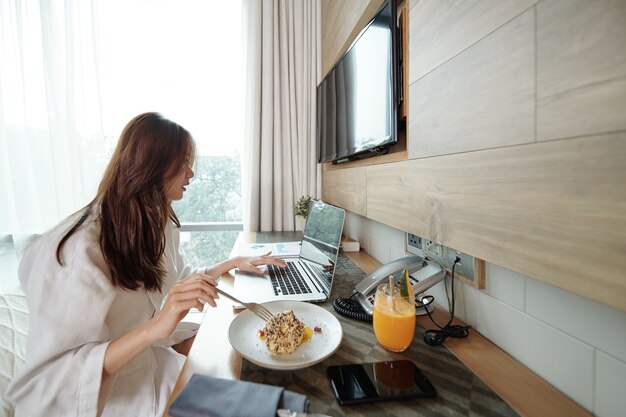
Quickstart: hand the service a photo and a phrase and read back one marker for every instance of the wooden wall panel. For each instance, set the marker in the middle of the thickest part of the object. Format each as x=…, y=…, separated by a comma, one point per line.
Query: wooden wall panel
x=342, y=21
x=555, y=210
x=482, y=98
x=346, y=188
x=499, y=84
x=581, y=67
x=442, y=29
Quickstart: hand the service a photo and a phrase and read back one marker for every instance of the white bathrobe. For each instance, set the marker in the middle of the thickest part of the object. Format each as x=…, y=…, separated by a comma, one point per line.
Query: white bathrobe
x=74, y=314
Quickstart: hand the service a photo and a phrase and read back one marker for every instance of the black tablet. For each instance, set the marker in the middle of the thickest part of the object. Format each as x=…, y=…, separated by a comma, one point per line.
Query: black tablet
x=378, y=381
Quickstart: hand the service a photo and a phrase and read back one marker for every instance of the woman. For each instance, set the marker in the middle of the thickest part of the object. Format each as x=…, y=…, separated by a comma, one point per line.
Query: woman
x=99, y=338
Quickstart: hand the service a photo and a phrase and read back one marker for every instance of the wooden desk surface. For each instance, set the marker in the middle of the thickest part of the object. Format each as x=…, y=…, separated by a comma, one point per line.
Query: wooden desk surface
x=522, y=389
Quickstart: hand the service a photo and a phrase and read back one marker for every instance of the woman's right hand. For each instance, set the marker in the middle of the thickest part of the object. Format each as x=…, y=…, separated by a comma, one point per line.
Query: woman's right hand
x=182, y=297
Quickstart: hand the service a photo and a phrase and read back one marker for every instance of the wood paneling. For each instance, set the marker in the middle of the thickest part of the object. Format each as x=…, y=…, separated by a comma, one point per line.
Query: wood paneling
x=494, y=80
x=346, y=188
x=581, y=67
x=482, y=98
x=554, y=210
x=342, y=21
x=442, y=29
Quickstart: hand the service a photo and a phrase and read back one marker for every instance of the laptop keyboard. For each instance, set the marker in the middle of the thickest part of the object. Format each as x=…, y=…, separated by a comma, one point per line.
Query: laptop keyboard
x=322, y=277
x=287, y=279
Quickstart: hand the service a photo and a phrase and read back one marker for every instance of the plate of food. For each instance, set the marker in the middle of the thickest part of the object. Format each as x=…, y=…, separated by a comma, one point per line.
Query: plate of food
x=299, y=335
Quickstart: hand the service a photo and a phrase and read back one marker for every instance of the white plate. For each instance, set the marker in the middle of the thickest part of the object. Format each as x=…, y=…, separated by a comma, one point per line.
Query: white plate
x=243, y=336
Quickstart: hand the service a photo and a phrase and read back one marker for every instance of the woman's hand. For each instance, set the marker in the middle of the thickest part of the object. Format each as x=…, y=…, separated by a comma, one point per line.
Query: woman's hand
x=183, y=296
x=252, y=263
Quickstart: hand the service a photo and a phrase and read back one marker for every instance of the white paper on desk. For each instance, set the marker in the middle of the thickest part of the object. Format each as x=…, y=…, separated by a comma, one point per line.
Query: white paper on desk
x=279, y=250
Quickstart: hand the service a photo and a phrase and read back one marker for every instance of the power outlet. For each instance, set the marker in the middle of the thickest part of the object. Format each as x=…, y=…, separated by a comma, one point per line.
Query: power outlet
x=446, y=257
x=432, y=248
x=467, y=268
x=413, y=241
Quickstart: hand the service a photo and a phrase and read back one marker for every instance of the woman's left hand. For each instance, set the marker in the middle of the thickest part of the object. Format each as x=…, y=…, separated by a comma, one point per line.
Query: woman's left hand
x=252, y=263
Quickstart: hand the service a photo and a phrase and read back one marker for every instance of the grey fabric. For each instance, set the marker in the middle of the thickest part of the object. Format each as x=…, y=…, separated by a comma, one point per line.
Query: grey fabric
x=206, y=396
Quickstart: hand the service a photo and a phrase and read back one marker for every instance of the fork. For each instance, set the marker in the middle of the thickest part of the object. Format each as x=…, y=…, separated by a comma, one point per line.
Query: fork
x=255, y=308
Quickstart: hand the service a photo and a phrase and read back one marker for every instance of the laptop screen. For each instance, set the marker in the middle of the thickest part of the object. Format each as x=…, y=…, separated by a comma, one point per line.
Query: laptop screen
x=322, y=235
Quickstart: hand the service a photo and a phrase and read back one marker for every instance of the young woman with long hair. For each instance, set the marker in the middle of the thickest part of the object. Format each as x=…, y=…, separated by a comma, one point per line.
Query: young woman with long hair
x=107, y=287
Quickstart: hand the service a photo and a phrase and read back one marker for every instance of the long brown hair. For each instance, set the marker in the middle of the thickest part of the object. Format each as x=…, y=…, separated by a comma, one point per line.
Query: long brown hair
x=134, y=209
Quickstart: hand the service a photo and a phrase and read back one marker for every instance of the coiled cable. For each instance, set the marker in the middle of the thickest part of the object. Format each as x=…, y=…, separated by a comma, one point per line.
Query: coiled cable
x=350, y=308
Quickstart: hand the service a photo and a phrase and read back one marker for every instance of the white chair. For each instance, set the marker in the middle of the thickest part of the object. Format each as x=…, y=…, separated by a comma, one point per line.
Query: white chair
x=13, y=331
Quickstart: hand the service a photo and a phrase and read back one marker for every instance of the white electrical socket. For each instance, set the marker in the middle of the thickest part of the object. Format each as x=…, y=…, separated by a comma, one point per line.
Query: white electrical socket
x=433, y=248
x=413, y=244
x=440, y=253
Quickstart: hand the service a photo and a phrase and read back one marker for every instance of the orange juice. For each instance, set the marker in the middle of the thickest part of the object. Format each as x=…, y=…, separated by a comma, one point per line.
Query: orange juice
x=399, y=377
x=394, y=325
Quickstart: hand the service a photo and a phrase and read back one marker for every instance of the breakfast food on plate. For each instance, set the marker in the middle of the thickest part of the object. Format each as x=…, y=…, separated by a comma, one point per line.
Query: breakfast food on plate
x=283, y=333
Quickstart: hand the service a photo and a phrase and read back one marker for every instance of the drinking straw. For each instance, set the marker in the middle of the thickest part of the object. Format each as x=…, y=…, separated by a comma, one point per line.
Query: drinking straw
x=391, y=300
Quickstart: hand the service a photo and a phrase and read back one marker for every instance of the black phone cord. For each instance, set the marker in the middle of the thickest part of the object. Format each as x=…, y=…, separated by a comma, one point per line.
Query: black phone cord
x=435, y=337
x=350, y=308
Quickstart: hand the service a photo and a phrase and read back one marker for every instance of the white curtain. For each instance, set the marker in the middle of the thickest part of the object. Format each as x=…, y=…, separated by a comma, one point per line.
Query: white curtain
x=279, y=161
x=52, y=148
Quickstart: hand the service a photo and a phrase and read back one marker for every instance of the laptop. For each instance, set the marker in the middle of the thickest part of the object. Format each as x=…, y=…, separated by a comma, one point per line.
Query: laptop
x=307, y=277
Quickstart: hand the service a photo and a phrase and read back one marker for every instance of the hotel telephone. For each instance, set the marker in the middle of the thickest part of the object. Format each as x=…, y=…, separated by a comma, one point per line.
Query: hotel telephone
x=423, y=274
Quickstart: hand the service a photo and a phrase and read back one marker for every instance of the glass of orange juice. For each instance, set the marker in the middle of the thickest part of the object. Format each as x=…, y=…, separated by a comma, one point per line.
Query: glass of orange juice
x=394, y=318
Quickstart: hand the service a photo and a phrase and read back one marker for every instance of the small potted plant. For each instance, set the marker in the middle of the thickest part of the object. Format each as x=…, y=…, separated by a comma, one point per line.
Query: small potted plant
x=301, y=208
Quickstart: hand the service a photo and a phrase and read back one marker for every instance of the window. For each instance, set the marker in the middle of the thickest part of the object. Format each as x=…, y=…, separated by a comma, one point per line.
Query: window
x=182, y=59
x=74, y=73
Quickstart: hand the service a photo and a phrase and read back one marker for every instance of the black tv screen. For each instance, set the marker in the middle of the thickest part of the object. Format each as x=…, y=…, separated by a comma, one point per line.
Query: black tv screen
x=356, y=101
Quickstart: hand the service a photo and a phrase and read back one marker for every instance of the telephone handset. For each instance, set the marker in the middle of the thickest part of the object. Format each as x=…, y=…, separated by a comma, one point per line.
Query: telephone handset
x=423, y=274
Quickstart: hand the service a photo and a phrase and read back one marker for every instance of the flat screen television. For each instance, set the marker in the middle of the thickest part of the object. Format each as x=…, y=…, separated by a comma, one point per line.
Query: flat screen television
x=357, y=101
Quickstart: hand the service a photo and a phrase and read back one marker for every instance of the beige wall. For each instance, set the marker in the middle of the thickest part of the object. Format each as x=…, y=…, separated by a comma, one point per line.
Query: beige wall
x=516, y=155
x=341, y=23
x=516, y=139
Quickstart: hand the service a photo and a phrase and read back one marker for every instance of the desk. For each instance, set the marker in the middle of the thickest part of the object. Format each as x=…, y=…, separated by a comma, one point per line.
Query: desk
x=484, y=372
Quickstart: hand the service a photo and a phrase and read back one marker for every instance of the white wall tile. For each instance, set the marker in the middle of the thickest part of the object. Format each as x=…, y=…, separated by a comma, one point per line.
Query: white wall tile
x=349, y=226
x=439, y=292
x=381, y=235
x=610, y=400
x=355, y=226
x=379, y=249
x=367, y=235
x=505, y=285
x=587, y=320
x=392, y=236
x=560, y=359
x=396, y=253
x=386, y=233
x=364, y=240
x=466, y=303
